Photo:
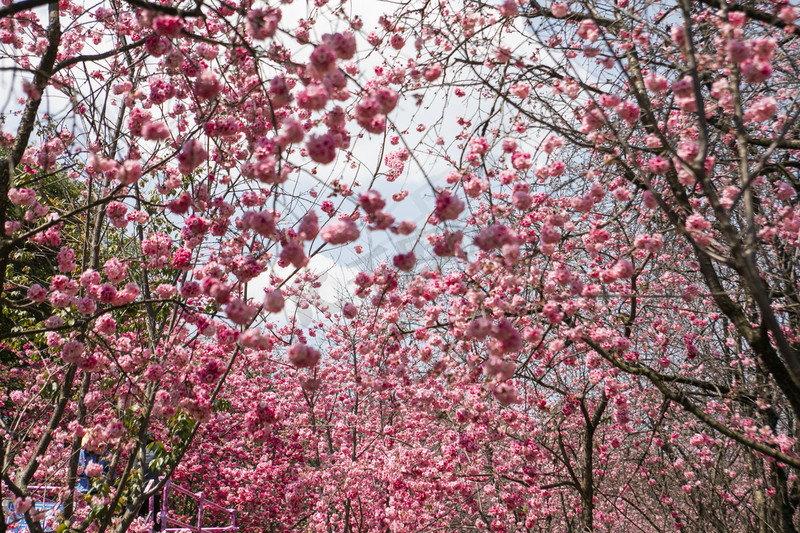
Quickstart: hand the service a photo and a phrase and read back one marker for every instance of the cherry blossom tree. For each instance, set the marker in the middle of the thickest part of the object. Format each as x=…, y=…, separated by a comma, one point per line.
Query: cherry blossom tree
x=621, y=200
x=190, y=136
x=594, y=327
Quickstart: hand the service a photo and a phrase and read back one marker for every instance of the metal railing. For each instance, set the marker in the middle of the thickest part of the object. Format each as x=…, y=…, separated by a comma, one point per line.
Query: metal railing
x=169, y=524
x=172, y=524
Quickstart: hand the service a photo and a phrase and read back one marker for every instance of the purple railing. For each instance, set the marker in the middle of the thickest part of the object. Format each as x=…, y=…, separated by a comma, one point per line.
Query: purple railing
x=169, y=524
x=51, y=507
x=173, y=524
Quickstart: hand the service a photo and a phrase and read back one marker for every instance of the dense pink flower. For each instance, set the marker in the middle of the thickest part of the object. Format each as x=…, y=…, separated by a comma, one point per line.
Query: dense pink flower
x=309, y=226
x=155, y=131
x=23, y=197
x=71, y=351
x=756, y=71
x=322, y=148
x=169, y=26
x=191, y=156
x=207, y=86
x=105, y=324
x=448, y=206
x=303, y=356
x=762, y=109
x=658, y=165
x=115, y=270
x=274, y=301
x=240, y=312
x=521, y=161
x=349, y=310
x=397, y=41
x=340, y=231
x=738, y=51
x=37, y=293
x=343, y=44
x=656, y=83
x=559, y=9
x=404, y=262
x=262, y=23
x=181, y=204
x=156, y=46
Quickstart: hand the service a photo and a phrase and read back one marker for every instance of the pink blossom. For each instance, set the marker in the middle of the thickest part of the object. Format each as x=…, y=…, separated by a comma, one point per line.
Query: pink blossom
x=181, y=204
x=85, y=305
x=683, y=87
x=738, y=51
x=344, y=44
x=520, y=90
x=756, y=71
x=349, y=310
x=303, y=356
x=509, y=8
x=656, y=83
x=658, y=165
x=207, y=86
x=404, y=262
x=448, y=207
x=190, y=289
x=678, y=34
x=397, y=41
x=587, y=29
x=105, y=324
x=323, y=59
x=181, y=259
x=610, y=101
x=764, y=47
x=762, y=109
x=505, y=394
x=628, y=112
x=274, y=301
x=240, y=312
x=340, y=231
x=71, y=351
x=322, y=148
x=279, y=92
x=559, y=10
x=169, y=26
x=11, y=227
x=31, y=90
x=156, y=46
x=785, y=191
x=23, y=197
x=37, y=293
x=550, y=234
x=262, y=23
x=89, y=277
x=161, y=90
x=787, y=13
x=191, y=156
x=696, y=222
x=292, y=253
x=22, y=505
x=309, y=226
x=432, y=72
x=521, y=200
x=313, y=97
x=623, y=269
x=66, y=260
x=155, y=131
x=165, y=291
x=115, y=270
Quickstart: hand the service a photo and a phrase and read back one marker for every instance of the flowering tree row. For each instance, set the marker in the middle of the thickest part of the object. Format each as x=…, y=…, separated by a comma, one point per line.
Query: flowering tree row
x=596, y=328
x=155, y=159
